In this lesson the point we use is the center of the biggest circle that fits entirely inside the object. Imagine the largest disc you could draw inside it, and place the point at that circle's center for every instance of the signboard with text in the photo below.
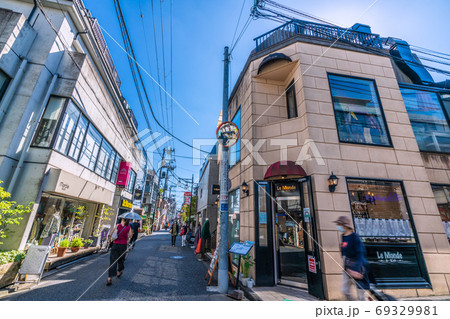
(241, 248)
(312, 264)
(187, 198)
(125, 203)
(215, 189)
(124, 174)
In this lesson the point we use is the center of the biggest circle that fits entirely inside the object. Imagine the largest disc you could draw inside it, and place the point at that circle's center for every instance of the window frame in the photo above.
(5, 85)
(89, 123)
(291, 87)
(388, 134)
(128, 189)
(417, 244)
(438, 93)
(236, 189)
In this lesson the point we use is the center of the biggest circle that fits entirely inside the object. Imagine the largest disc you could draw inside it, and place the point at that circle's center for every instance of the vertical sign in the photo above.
(124, 174)
(312, 264)
(187, 198)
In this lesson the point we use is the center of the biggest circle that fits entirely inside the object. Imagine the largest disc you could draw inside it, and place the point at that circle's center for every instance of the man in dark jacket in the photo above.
(174, 232)
(135, 228)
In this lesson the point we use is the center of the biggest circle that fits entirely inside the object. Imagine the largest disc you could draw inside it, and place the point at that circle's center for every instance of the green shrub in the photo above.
(76, 242)
(64, 243)
(88, 242)
(11, 255)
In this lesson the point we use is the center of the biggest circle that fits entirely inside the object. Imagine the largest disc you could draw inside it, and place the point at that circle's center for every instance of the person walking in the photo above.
(354, 260)
(118, 249)
(205, 238)
(174, 232)
(135, 227)
(183, 234)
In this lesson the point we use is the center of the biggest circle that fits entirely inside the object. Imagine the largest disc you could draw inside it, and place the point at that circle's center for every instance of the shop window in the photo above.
(4, 81)
(235, 150)
(131, 182)
(104, 157)
(91, 147)
(234, 234)
(291, 101)
(110, 166)
(358, 113)
(428, 120)
(442, 196)
(115, 169)
(381, 218)
(262, 192)
(67, 129)
(78, 138)
(47, 125)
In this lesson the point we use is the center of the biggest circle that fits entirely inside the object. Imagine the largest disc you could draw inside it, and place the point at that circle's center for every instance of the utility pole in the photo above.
(223, 235)
(190, 204)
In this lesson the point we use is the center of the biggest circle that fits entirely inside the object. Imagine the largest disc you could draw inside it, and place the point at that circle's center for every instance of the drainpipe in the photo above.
(30, 135)
(32, 11)
(4, 104)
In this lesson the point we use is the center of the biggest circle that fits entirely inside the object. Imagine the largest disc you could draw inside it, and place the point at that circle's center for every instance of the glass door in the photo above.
(289, 235)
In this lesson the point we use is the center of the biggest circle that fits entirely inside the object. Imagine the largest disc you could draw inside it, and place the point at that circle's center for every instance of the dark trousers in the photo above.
(174, 239)
(116, 259)
(133, 239)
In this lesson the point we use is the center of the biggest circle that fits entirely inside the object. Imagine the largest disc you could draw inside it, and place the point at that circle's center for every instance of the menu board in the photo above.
(242, 248)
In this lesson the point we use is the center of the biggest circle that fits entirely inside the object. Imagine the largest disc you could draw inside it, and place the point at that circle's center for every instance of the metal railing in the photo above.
(311, 29)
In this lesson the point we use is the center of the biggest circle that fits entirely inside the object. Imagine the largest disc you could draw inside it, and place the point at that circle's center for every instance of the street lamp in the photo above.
(244, 188)
(332, 182)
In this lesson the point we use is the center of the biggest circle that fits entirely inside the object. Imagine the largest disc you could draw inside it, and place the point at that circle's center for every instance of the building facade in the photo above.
(359, 112)
(67, 132)
(208, 192)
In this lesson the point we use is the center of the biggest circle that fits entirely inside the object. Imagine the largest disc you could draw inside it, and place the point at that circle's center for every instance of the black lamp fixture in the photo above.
(244, 188)
(332, 182)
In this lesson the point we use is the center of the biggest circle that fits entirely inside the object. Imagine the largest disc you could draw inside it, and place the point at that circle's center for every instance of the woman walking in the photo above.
(183, 234)
(118, 249)
(354, 259)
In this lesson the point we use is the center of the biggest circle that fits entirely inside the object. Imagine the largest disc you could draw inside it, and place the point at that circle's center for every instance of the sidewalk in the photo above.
(277, 293)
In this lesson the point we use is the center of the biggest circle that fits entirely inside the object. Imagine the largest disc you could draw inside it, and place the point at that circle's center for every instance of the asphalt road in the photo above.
(151, 273)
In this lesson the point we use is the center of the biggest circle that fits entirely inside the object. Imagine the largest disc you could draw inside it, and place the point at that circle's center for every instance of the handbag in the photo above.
(355, 274)
(115, 235)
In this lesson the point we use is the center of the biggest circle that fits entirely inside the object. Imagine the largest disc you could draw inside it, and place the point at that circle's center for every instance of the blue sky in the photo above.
(201, 30)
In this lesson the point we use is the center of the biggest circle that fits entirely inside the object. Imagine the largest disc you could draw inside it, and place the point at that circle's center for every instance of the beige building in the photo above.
(65, 126)
(309, 109)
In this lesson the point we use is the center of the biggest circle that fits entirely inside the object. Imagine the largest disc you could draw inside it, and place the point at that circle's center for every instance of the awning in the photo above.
(284, 170)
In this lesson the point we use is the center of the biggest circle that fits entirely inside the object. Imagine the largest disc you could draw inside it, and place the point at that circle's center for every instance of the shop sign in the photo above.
(138, 194)
(215, 190)
(388, 263)
(306, 215)
(224, 207)
(286, 189)
(312, 264)
(124, 174)
(224, 198)
(125, 203)
(187, 198)
(262, 218)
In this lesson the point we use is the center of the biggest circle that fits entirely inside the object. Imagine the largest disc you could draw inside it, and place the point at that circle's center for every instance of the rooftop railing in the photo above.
(311, 29)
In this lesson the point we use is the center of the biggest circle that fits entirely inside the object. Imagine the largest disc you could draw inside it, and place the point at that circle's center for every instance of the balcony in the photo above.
(310, 29)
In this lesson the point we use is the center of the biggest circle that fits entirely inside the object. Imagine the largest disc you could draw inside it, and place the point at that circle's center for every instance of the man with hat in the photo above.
(355, 262)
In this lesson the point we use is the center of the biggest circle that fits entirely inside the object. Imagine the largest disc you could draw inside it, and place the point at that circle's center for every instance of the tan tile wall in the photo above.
(316, 121)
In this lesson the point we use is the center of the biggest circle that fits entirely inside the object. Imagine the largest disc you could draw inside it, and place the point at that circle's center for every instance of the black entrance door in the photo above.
(312, 249)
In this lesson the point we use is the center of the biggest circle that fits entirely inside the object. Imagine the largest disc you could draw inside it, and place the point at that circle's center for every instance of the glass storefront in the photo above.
(382, 219)
(442, 196)
(62, 218)
(234, 199)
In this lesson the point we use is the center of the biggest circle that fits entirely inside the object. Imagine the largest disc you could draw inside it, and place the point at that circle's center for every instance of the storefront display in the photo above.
(381, 218)
(234, 218)
(442, 196)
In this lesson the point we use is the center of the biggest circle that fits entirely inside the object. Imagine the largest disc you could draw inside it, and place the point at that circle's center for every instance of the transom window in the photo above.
(357, 108)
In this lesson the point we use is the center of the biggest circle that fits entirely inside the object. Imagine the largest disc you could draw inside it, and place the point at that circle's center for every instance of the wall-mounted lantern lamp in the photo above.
(332, 182)
(244, 188)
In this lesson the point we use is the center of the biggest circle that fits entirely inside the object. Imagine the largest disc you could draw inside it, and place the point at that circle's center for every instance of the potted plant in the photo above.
(88, 243)
(62, 247)
(246, 263)
(76, 244)
(10, 262)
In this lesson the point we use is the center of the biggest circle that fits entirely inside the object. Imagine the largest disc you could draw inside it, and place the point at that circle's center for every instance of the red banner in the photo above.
(187, 198)
(124, 174)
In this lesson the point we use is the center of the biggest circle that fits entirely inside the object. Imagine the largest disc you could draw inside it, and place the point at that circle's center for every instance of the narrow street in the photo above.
(151, 273)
